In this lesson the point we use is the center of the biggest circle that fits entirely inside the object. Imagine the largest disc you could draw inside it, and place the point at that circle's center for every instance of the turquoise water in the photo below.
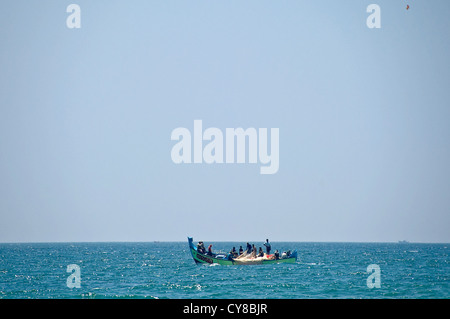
(166, 270)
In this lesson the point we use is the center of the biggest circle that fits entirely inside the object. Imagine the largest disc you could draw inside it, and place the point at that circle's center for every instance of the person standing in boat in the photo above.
(249, 249)
(268, 247)
(240, 250)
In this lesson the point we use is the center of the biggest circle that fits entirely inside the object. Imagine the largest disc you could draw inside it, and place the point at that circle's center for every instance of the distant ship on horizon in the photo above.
(403, 242)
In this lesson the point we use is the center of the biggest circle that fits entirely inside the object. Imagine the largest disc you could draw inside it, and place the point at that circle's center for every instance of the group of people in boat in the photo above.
(249, 252)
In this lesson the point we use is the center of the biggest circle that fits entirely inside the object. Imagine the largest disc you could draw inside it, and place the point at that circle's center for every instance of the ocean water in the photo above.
(167, 270)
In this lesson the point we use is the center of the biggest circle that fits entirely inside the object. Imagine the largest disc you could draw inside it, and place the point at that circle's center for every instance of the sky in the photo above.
(86, 116)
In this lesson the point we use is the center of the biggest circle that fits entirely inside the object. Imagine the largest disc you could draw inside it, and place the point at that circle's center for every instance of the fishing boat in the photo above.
(226, 259)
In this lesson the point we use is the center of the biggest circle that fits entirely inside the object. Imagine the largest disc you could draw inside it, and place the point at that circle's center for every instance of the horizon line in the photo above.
(219, 241)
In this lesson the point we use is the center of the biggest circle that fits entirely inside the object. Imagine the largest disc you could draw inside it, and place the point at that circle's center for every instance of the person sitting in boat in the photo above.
(253, 255)
(233, 252)
(201, 248)
(240, 250)
(276, 254)
(261, 252)
(268, 247)
(210, 253)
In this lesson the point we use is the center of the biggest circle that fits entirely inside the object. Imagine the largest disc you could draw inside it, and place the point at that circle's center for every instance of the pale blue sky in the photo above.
(86, 117)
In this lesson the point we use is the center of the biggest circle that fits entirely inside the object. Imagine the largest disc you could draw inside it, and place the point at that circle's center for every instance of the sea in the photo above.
(166, 270)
